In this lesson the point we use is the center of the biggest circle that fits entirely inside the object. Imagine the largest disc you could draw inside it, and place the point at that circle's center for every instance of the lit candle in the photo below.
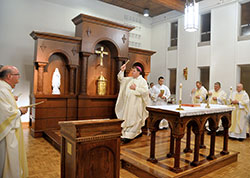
(180, 91)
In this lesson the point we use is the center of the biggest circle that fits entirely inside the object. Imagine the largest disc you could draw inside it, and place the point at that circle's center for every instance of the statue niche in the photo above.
(56, 61)
(101, 71)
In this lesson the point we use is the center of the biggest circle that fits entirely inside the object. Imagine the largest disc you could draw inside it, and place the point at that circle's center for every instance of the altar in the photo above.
(197, 162)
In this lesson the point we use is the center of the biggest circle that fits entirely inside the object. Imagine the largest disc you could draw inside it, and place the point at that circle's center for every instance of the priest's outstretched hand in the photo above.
(23, 110)
(123, 67)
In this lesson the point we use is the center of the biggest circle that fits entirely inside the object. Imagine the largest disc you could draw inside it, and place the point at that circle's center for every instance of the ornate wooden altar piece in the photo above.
(97, 51)
(190, 117)
(90, 148)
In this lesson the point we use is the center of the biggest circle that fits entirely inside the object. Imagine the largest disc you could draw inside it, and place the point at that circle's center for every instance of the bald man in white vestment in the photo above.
(240, 101)
(13, 162)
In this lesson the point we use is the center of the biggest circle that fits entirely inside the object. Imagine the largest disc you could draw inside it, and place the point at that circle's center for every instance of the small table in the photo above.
(179, 120)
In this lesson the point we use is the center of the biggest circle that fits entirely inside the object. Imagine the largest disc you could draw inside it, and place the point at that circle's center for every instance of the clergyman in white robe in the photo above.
(218, 96)
(239, 123)
(13, 162)
(199, 93)
(131, 105)
(159, 101)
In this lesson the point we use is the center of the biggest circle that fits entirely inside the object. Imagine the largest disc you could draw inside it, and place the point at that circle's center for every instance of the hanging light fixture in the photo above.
(146, 12)
(191, 17)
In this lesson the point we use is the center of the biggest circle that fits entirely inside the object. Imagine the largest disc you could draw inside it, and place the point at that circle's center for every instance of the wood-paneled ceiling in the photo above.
(156, 7)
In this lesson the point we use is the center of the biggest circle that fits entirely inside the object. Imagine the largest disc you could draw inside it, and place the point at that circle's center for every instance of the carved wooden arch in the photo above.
(212, 121)
(109, 40)
(59, 51)
(194, 122)
(225, 119)
(155, 123)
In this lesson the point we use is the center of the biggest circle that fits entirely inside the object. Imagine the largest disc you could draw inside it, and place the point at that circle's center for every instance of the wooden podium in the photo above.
(90, 148)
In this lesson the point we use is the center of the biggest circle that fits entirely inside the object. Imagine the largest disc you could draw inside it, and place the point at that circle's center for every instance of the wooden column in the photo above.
(177, 154)
(72, 79)
(202, 145)
(196, 147)
(212, 143)
(84, 73)
(171, 151)
(41, 66)
(225, 143)
(152, 158)
(188, 149)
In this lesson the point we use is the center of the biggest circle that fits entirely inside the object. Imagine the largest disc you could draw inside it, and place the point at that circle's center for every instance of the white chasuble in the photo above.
(202, 92)
(13, 162)
(239, 121)
(131, 105)
(158, 101)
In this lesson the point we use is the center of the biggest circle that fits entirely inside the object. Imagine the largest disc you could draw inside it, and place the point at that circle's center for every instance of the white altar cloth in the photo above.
(195, 111)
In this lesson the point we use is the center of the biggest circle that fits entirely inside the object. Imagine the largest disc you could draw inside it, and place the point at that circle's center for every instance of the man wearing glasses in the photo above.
(13, 162)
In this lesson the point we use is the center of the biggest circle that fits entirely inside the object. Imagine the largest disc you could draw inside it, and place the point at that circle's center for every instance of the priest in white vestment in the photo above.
(218, 96)
(240, 101)
(199, 93)
(131, 103)
(13, 162)
(160, 95)
(151, 94)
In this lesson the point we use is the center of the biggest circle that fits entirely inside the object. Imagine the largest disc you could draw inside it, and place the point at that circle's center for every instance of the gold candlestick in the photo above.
(179, 108)
(208, 106)
(230, 97)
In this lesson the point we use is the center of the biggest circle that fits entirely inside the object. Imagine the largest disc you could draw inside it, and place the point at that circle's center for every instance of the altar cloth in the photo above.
(195, 111)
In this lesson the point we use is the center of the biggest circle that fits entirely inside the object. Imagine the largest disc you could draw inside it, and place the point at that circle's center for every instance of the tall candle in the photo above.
(180, 91)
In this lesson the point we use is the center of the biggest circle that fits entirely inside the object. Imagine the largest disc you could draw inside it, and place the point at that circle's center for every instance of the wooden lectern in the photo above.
(90, 148)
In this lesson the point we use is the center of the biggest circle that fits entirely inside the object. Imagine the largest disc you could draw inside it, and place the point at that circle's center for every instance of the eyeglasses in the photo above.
(16, 74)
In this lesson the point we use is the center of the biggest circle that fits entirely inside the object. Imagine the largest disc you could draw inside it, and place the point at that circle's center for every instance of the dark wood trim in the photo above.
(52, 36)
(86, 18)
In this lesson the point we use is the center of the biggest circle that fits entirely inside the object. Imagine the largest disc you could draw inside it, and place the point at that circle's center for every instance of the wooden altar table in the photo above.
(190, 117)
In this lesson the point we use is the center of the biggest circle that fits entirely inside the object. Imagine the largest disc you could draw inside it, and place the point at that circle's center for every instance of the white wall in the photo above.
(158, 60)
(18, 18)
(223, 55)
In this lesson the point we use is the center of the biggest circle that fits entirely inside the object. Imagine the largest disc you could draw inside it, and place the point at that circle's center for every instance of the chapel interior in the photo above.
(76, 133)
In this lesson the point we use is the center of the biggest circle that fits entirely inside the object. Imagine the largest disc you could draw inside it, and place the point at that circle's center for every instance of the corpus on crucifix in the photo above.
(102, 53)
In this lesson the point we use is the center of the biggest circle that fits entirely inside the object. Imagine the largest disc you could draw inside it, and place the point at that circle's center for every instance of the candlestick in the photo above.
(231, 93)
(231, 96)
(180, 98)
(208, 106)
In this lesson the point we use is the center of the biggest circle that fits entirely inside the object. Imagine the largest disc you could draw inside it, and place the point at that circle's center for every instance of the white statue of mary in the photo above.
(56, 82)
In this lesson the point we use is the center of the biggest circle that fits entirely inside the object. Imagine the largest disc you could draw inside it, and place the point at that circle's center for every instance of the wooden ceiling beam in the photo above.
(172, 4)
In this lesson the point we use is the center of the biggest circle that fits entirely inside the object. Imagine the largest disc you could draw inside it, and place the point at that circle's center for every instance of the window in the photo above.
(244, 77)
(204, 76)
(245, 19)
(174, 34)
(205, 27)
(172, 81)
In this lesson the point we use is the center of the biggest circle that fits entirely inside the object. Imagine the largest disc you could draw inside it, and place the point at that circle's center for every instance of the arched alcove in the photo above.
(108, 70)
(60, 61)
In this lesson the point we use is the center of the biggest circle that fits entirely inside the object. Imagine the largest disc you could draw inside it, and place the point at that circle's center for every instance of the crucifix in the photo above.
(102, 53)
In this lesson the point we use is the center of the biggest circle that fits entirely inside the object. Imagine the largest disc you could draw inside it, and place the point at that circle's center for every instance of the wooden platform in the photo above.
(134, 159)
(53, 137)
